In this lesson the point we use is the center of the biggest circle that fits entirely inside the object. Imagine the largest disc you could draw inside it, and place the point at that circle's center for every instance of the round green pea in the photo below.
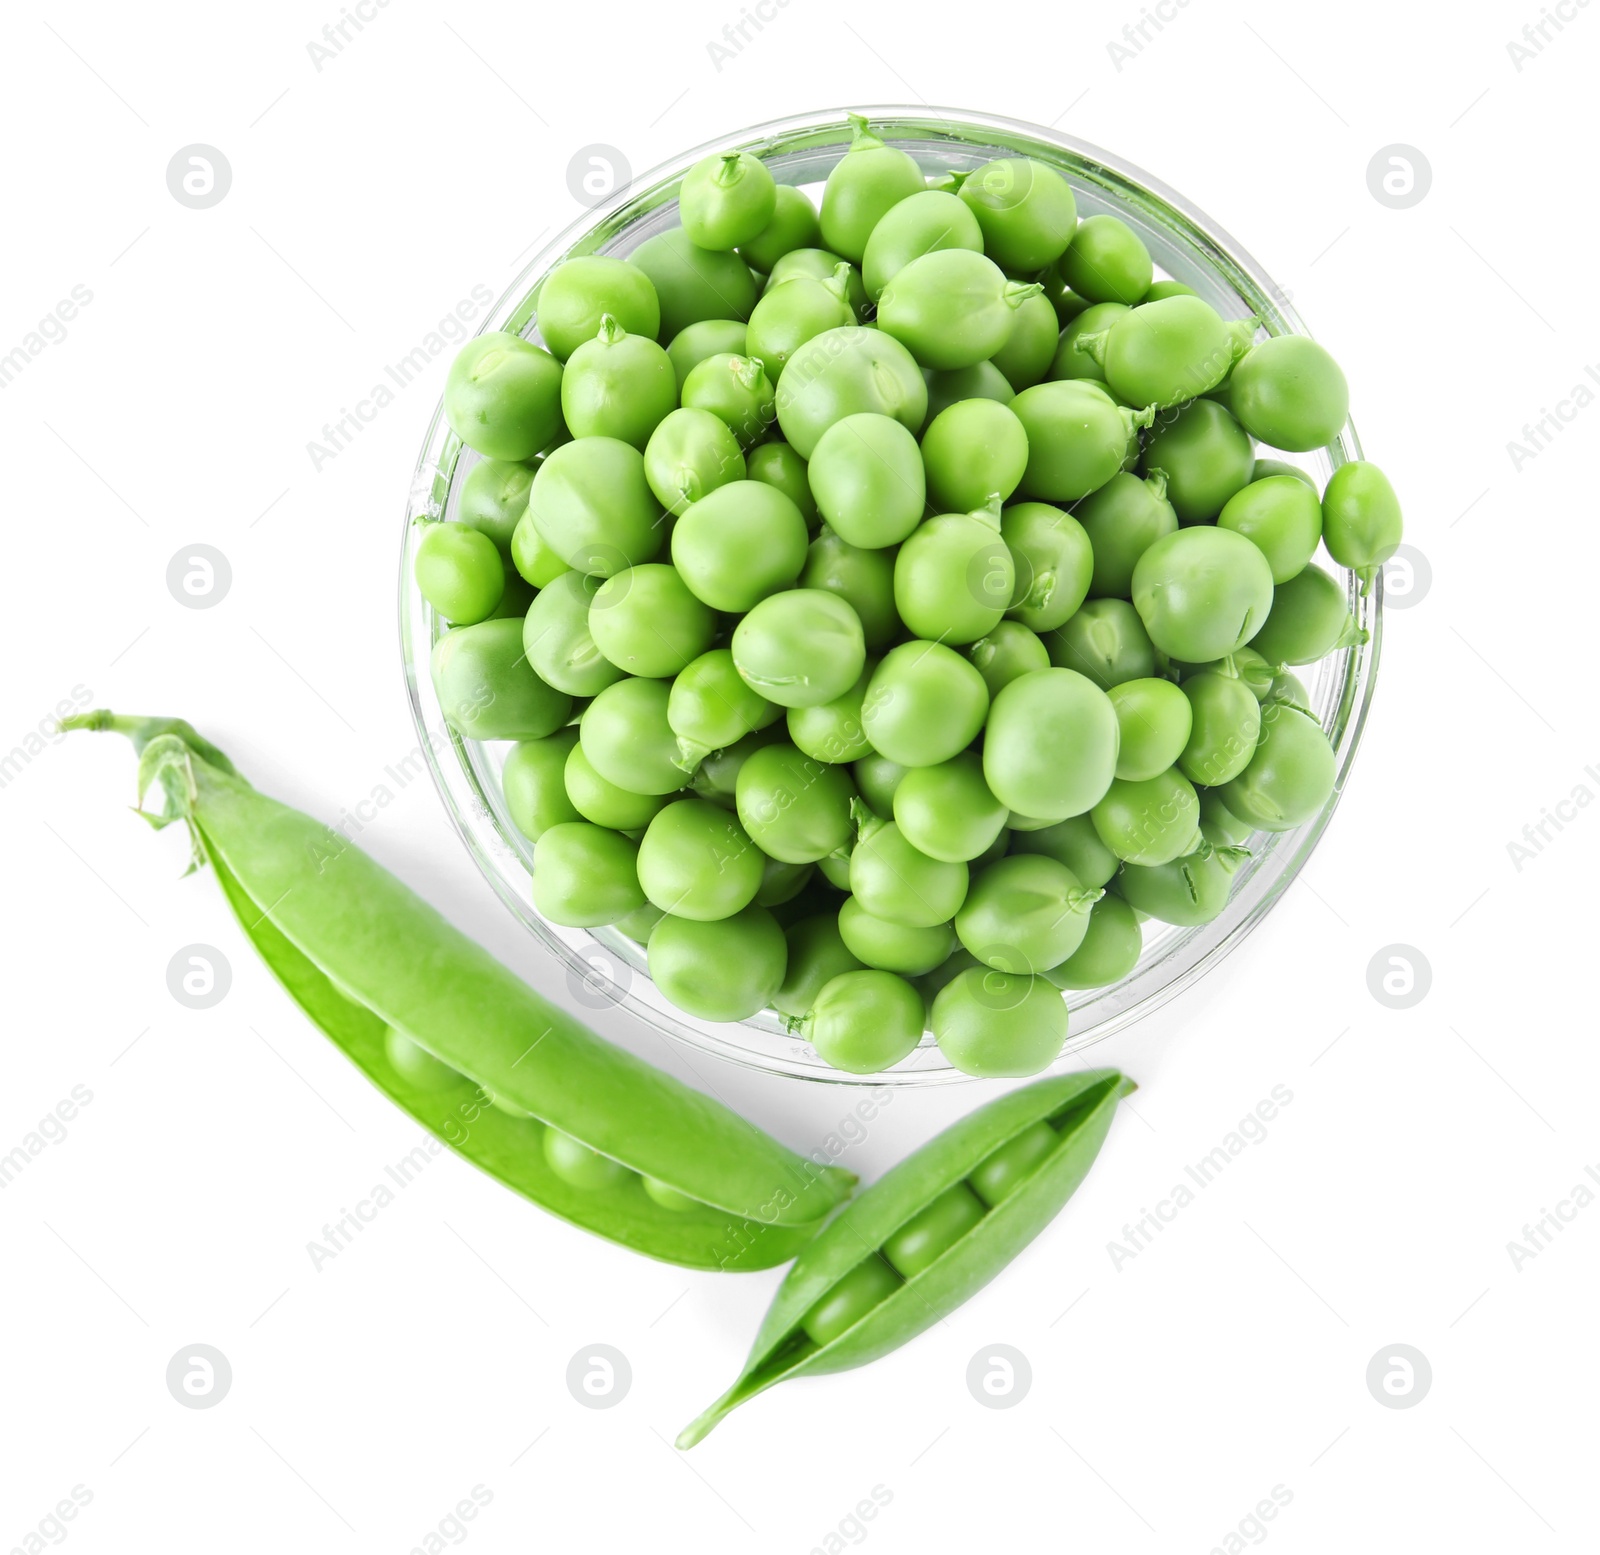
(1075, 843)
(739, 544)
(1161, 289)
(947, 811)
(647, 622)
(459, 572)
(1024, 913)
(1154, 719)
(820, 264)
(863, 578)
(1072, 357)
(1202, 592)
(558, 640)
(494, 496)
(879, 779)
(1219, 825)
(723, 970)
(972, 453)
(954, 577)
(1290, 393)
(618, 385)
(694, 283)
(817, 954)
(1123, 519)
(1107, 262)
(779, 466)
(793, 806)
(503, 396)
(416, 1064)
(951, 308)
(793, 224)
(1186, 891)
(863, 185)
(691, 453)
(892, 879)
(1077, 439)
(710, 337)
(1287, 687)
(865, 1022)
(894, 947)
(1030, 348)
(1050, 748)
(717, 776)
(800, 648)
(1054, 561)
(1006, 653)
(737, 390)
(1163, 353)
(585, 875)
(983, 382)
(999, 1025)
(1112, 944)
(594, 508)
(579, 292)
(1206, 457)
(924, 704)
(710, 707)
(1269, 467)
(580, 1167)
(726, 200)
(933, 1230)
(625, 735)
(667, 1196)
(1361, 523)
(922, 223)
(487, 689)
(1310, 618)
(995, 1178)
(1106, 641)
(595, 799)
(1149, 822)
(1026, 211)
(697, 861)
(533, 783)
(833, 731)
(531, 555)
(1281, 516)
(792, 313)
(850, 1298)
(1226, 723)
(1289, 778)
(866, 474)
(844, 372)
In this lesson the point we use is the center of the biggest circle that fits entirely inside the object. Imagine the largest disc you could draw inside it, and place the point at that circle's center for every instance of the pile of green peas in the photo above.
(889, 602)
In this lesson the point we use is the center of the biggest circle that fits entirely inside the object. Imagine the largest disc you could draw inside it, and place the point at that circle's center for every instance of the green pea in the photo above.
(1290, 393)
(718, 774)
(849, 1300)
(579, 292)
(1025, 913)
(594, 508)
(1050, 748)
(667, 1196)
(417, 1065)
(1154, 720)
(726, 200)
(782, 883)
(1291, 775)
(1149, 822)
(1054, 564)
(795, 807)
(735, 389)
(710, 337)
(1030, 348)
(602, 802)
(892, 879)
(1075, 843)
(894, 947)
(1187, 891)
(879, 779)
(487, 689)
(779, 466)
(696, 861)
(1007, 653)
(1026, 211)
(922, 223)
(954, 577)
(585, 875)
(1202, 592)
(820, 264)
(579, 1166)
(531, 555)
(793, 224)
(1281, 516)
(739, 544)
(493, 497)
(1106, 641)
(794, 312)
(646, 621)
(864, 183)
(973, 452)
(844, 372)
(459, 572)
(1219, 825)
(1361, 523)
(1244, 664)
(710, 707)
(866, 474)
(835, 870)
(1107, 262)
(692, 283)
(958, 961)
(947, 811)
(691, 454)
(1162, 289)
(924, 704)
(818, 953)
(1072, 358)
(625, 735)
(503, 396)
(800, 648)
(865, 1022)
(1163, 353)
(951, 308)
(1310, 618)
(558, 641)
(863, 578)
(833, 731)
(983, 382)
(933, 1231)
(1290, 689)
(1077, 439)
(1204, 453)
(724, 970)
(999, 1025)
(1266, 468)
(618, 385)
(533, 784)
(1112, 945)
(1226, 726)
(995, 1178)
(1123, 519)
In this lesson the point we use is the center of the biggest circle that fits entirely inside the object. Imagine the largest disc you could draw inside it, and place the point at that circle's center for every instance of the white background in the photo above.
(1169, 1396)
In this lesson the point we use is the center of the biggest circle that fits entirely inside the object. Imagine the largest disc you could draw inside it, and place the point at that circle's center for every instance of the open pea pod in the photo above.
(1077, 1107)
(368, 960)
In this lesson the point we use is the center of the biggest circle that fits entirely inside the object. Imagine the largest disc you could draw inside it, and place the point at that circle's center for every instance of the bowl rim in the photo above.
(1189, 953)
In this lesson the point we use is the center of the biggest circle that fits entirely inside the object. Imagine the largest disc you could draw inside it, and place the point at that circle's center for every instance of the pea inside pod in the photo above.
(844, 1302)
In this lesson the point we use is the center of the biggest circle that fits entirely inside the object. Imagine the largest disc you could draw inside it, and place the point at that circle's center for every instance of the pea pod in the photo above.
(371, 963)
(846, 1264)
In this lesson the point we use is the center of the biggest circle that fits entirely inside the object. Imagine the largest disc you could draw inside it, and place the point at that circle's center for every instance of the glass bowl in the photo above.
(604, 967)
